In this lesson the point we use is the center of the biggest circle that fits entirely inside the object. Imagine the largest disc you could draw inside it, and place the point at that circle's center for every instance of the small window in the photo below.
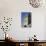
(26, 19)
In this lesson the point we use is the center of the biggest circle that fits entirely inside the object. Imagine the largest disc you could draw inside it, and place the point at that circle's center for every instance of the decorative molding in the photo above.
(6, 24)
(36, 3)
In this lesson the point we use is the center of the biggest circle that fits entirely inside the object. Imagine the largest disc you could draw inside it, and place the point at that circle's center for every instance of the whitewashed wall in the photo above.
(13, 8)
